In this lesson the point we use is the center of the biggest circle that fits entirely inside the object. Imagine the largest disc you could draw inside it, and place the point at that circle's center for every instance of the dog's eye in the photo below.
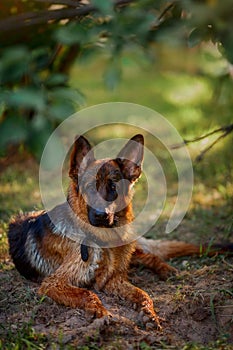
(112, 186)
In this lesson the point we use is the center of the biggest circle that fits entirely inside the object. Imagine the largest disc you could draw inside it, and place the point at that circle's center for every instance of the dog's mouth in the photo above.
(101, 218)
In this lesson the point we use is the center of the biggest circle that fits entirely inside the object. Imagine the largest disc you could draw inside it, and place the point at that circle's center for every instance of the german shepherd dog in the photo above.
(43, 250)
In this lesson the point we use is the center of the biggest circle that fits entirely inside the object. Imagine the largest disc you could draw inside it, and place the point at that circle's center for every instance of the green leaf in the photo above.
(195, 38)
(41, 57)
(56, 80)
(27, 98)
(60, 110)
(12, 130)
(72, 34)
(112, 75)
(104, 6)
(39, 121)
(63, 93)
(3, 97)
(37, 138)
(14, 64)
(198, 35)
(62, 101)
(227, 43)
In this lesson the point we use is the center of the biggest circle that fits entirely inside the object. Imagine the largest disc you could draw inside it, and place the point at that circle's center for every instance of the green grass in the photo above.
(23, 338)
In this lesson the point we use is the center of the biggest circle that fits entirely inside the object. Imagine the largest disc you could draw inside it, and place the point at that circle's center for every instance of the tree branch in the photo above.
(201, 155)
(225, 130)
(71, 3)
(163, 13)
(39, 17)
(31, 18)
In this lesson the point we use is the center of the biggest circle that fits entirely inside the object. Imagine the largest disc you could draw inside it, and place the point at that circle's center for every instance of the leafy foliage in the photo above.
(41, 40)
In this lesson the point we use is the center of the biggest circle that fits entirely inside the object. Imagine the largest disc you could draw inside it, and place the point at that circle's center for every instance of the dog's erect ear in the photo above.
(130, 158)
(81, 156)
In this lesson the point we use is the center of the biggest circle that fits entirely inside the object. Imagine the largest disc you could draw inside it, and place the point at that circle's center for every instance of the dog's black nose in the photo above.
(100, 215)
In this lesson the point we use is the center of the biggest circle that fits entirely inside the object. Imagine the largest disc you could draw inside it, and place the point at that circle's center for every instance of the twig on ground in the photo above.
(227, 263)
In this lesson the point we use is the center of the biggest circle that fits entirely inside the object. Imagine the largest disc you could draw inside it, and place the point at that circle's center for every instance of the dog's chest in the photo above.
(84, 271)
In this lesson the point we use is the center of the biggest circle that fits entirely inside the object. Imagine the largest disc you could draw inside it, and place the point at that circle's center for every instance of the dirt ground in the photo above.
(196, 307)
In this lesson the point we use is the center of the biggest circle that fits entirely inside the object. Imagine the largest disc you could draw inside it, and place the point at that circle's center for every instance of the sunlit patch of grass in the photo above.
(187, 90)
(3, 242)
(209, 218)
(19, 190)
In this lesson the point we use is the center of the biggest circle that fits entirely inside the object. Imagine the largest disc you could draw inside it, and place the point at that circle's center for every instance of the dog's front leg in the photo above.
(124, 289)
(59, 289)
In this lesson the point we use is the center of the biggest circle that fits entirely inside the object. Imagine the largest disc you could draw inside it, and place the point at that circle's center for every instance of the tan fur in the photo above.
(167, 249)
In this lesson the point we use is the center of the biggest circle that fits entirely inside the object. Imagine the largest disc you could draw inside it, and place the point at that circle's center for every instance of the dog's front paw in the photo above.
(103, 320)
(150, 320)
(98, 312)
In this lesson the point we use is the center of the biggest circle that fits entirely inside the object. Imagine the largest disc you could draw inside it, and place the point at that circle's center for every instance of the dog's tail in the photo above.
(171, 249)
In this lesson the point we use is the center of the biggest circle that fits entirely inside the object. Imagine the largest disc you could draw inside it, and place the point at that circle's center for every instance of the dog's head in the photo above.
(105, 186)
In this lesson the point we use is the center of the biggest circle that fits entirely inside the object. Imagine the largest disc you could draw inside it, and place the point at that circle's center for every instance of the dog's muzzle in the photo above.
(100, 218)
